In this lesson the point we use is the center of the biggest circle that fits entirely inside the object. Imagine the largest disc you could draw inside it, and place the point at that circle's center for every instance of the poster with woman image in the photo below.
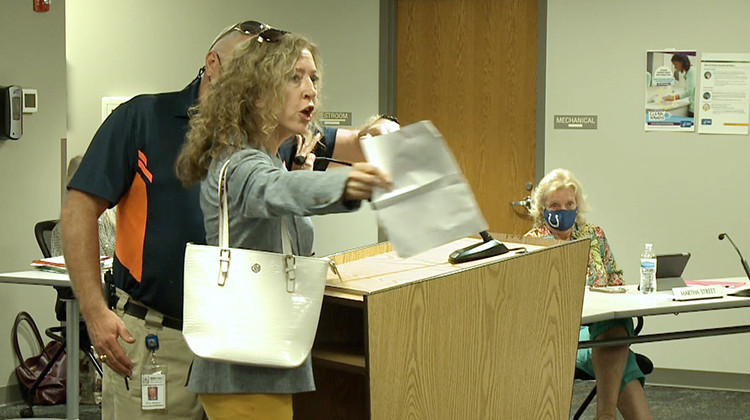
(670, 90)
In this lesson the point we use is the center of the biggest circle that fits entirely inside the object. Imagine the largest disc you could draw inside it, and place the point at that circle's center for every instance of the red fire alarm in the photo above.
(41, 6)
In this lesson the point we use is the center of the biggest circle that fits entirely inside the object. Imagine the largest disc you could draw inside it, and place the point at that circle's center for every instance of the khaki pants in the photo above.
(119, 403)
(247, 406)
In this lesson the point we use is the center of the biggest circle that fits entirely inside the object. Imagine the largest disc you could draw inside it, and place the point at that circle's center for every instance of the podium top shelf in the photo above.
(377, 268)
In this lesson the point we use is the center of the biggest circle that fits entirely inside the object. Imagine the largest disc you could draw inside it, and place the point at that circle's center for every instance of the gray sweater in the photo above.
(260, 191)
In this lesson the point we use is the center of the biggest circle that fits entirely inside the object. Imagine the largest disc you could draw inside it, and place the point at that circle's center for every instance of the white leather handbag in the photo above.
(251, 307)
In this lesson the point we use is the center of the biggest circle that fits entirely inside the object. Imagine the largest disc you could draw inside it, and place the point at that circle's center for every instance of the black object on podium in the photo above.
(488, 248)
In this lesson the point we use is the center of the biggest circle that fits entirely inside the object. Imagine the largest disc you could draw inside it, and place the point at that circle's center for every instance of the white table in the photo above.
(72, 328)
(598, 306)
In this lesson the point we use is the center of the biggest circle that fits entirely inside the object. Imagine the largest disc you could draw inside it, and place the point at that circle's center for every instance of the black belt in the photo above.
(139, 311)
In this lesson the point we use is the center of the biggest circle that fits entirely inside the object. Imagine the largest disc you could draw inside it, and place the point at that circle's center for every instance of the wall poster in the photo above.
(724, 93)
(670, 90)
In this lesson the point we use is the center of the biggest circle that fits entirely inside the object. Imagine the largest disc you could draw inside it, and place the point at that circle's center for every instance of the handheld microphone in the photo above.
(300, 160)
(746, 292)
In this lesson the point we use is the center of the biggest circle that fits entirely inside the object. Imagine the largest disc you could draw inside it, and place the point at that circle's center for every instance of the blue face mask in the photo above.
(561, 220)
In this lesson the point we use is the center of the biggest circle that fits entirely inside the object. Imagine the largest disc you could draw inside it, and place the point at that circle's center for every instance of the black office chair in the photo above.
(644, 363)
(43, 234)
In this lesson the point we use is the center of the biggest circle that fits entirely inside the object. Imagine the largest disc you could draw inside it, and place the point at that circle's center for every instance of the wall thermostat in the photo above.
(11, 118)
(30, 104)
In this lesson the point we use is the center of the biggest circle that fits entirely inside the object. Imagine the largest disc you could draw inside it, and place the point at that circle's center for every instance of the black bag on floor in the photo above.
(38, 378)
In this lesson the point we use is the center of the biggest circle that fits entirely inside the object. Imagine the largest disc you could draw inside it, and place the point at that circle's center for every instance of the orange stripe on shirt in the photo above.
(142, 156)
(145, 171)
(131, 228)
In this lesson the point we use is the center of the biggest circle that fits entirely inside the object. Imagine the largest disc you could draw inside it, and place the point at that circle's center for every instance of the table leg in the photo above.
(72, 330)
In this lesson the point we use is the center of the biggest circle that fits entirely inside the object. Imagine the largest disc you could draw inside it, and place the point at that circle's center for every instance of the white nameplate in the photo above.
(697, 292)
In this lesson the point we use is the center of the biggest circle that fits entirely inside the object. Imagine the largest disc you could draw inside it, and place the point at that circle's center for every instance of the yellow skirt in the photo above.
(247, 406)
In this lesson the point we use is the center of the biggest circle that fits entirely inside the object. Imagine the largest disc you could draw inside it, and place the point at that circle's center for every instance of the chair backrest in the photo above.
(43, 233)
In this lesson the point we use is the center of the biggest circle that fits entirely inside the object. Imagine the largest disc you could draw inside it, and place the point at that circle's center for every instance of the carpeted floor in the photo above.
(666, 404)
(86, 412)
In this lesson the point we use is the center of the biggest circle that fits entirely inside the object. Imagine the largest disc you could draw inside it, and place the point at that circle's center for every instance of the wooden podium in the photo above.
(420, 338)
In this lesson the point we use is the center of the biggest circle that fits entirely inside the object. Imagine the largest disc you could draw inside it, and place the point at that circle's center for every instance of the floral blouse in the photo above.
(602, 269)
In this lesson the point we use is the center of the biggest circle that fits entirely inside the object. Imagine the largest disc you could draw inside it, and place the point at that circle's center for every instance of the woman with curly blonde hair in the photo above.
(240, 108)
(265, 94)
(556, 207)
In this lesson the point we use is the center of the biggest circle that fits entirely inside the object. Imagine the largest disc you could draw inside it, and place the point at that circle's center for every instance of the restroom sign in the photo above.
(336, 118)
(589, 122)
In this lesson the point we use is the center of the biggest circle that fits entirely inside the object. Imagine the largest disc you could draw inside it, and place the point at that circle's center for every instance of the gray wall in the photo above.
(110, 56)
(33, 56)
(677, 190)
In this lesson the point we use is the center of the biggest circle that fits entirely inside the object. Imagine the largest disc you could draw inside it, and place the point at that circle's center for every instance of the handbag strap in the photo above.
(21, 317)
(225, 252)
(223, 211)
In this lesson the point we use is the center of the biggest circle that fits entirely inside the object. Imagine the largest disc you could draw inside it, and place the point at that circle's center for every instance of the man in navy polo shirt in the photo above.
(130, 163)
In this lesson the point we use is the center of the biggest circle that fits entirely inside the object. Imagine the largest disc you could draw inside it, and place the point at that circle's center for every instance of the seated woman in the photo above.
(265, 94)
(557, 208)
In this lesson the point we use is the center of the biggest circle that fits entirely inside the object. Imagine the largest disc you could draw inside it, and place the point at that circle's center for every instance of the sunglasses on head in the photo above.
(271, 35)
(248, 27)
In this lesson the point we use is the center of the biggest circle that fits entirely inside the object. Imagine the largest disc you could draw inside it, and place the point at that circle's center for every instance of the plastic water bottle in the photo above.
(648, 270)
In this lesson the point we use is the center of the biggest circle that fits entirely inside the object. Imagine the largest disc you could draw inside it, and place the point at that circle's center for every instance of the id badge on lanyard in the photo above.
(153, 380)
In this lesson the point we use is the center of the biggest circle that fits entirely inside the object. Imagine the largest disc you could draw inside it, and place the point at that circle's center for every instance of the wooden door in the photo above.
(470, 66)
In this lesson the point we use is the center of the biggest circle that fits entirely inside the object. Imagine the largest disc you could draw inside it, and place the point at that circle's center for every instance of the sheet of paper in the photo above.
(729, 284)
(431, 203)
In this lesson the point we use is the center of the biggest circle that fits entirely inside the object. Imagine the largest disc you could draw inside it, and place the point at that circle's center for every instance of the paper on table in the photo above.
(57, 264)
(431, 203)
(729, 284)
